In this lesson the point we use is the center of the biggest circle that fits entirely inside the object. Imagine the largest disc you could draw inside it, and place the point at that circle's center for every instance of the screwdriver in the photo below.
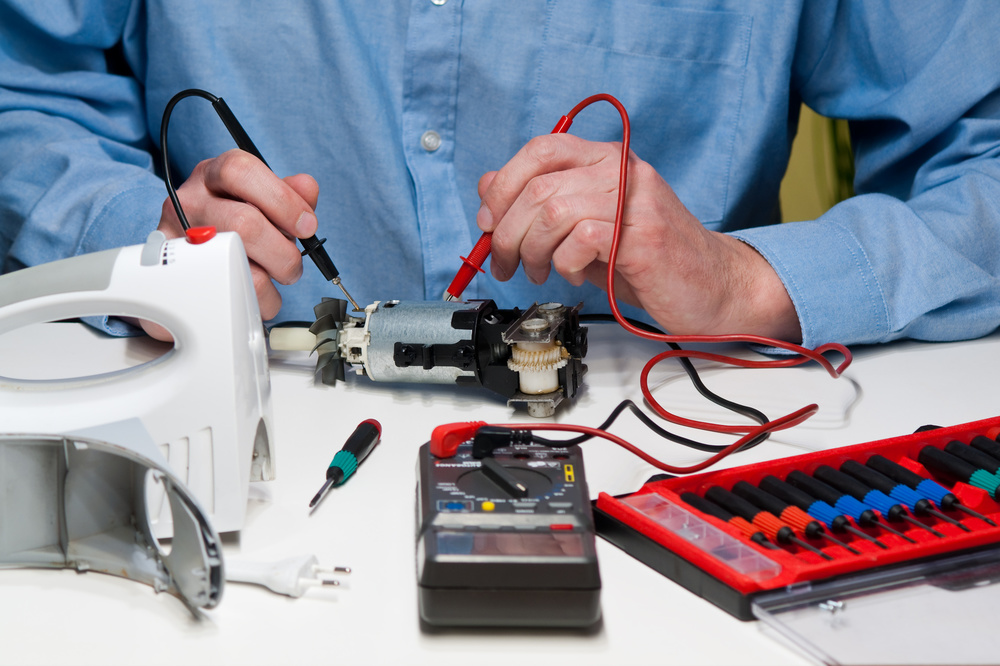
(986, 445)
(346, 461)
(847, 504)
(713, 509)
(953, 467)
(891, 509)
(822, 511)
(928, 488)
(973, 456)
(897, 491)
(770, 524)
(792, 515)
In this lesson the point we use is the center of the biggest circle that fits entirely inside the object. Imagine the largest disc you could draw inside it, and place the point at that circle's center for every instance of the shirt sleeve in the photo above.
(75, 163)
(914, 254)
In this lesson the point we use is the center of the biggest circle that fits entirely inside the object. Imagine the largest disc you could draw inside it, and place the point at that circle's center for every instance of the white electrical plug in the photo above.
(291, 577)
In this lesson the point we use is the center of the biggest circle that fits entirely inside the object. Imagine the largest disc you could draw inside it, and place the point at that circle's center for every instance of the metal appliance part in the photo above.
(532, 357)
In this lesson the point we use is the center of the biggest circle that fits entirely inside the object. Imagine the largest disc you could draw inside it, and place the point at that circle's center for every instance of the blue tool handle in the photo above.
(852, 507)
(823, 512)
(879, 501)
(934, 491)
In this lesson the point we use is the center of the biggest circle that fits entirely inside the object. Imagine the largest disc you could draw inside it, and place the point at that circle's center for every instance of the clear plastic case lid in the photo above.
(937, 612)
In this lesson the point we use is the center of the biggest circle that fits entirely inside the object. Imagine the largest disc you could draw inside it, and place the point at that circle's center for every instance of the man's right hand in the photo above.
(237, 192)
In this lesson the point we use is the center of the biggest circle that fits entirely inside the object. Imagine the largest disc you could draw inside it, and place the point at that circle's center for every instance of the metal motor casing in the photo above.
(473, 344)
(429, 322)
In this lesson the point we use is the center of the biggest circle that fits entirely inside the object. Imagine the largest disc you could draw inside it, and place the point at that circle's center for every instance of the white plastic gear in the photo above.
(537, 360)
(536, 365)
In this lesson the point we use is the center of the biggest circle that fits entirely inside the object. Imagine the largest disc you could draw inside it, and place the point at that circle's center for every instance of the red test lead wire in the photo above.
(474, 262)
(801, 354)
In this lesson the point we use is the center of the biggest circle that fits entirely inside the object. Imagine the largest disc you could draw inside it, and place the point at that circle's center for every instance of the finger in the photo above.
(584, 247)
(554, 221)
(306, 187)
(268, 298)
(542, 155)
(156, 331)
(239, 175)
(170, 224)
(508, 238)
(484, 182)
(264, 243)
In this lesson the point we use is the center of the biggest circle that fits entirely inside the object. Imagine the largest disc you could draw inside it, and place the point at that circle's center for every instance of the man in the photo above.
(396, 110)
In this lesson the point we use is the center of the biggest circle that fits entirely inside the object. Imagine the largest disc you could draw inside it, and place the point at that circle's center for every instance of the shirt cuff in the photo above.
(829, 278)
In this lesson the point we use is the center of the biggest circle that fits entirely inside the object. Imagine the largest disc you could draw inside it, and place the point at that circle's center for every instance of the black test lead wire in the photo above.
(312, 246)
(696, 381)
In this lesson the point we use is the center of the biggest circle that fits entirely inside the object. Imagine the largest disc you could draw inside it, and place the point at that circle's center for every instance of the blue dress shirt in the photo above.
(397, 108)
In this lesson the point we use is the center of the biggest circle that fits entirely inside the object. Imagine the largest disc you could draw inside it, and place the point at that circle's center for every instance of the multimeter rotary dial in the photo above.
(515, 482)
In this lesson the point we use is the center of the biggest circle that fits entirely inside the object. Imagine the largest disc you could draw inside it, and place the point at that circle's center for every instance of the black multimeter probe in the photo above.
(312, 246)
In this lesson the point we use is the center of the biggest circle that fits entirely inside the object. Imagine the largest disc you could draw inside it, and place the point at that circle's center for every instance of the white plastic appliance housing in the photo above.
(206, 403)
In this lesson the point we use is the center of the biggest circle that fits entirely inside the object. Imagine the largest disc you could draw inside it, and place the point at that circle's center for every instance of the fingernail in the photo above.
(484, 218)
(306, 225)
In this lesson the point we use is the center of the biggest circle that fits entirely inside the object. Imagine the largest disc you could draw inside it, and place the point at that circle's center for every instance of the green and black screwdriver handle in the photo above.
(346, 461)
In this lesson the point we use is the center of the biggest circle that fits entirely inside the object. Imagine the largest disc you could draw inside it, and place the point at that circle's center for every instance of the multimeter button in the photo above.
(560, 526)
(524, 505)
(453, 505)
(488, 505)
(561, 505)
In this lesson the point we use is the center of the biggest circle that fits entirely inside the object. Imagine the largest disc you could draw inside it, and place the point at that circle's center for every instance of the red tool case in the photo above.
(716, 561)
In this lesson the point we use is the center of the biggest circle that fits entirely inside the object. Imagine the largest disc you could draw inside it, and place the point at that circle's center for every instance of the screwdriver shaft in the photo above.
(914, 521)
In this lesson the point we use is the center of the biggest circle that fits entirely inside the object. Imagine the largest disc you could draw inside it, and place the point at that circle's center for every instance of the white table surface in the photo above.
(50, 617)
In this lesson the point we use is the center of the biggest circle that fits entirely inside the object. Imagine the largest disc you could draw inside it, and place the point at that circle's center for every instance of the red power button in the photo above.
(199, 235)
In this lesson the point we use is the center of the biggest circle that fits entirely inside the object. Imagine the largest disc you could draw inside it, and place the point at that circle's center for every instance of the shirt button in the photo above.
(439, 2)
(430, 140)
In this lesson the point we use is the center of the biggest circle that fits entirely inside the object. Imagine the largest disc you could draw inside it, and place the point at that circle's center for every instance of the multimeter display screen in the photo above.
(564, 544)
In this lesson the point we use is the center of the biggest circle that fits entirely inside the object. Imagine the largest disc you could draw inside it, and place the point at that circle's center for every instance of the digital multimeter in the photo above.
(506, 540)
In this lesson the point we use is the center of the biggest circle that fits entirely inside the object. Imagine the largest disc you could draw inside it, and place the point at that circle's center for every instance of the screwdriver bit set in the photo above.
(738, 535)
